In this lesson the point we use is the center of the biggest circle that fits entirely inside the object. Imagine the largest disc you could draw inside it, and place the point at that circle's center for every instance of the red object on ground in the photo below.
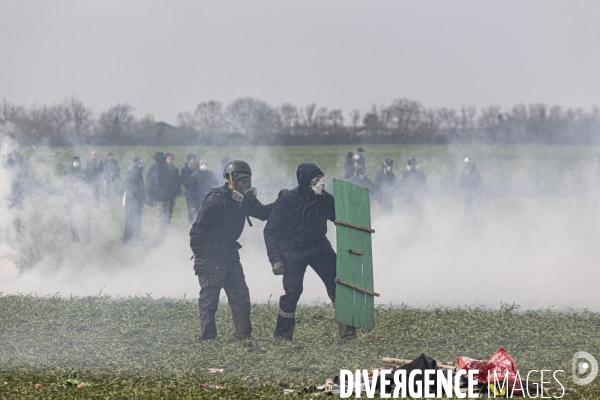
(501, 363)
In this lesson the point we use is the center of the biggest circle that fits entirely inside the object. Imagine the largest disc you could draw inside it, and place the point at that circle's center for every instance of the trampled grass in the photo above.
(146, 348)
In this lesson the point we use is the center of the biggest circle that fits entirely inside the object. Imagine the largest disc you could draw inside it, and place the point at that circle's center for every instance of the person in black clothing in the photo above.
(79, 193)
(93, 171)
(213, 239)
(176, 183)
(362, 179)
(112, 171)
(135, 193)
(17, 174)
(295, 237)
(385, 186)
(159, 191)
(349, 166)
(203, 180)
(471, 184)
(186, 180)
(414, 186)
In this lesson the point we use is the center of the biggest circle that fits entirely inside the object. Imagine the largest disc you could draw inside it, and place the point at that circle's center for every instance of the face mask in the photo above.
(76, 164)
(239, 195)
(319, 187)
(203, 167)
(388, 168)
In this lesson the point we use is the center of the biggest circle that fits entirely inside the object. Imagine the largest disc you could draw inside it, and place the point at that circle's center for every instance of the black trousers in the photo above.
(323, 262)
(229, 276)
(133, 223)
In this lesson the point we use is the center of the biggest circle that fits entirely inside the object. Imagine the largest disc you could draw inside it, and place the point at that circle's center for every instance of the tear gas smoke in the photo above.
(536, 247)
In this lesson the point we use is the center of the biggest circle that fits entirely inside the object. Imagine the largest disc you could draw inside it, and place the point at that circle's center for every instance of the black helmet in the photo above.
(236, 167)
(412, 162)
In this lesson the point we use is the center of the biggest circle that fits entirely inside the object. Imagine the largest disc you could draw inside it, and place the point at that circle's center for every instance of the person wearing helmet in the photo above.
(385, 186)
(213, 238)
(135, 194)
(79, 193)
(414, 186)
(471, 185)
(295, 237)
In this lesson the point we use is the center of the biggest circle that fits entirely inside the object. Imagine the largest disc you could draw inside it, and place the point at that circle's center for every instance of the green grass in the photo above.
(147, 348)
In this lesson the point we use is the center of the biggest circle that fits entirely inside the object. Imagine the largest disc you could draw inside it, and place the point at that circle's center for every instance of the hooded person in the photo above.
(186, 180)
(213, 239)
(385, 186)
(135, 195)
(295, 237)
(349, 165)
(79, 194)
(159, 189)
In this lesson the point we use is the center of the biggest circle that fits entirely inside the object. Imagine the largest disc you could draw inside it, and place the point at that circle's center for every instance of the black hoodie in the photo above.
(299, 218)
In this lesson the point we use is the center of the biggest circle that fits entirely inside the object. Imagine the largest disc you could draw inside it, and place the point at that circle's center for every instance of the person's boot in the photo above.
(347, 333)
(285, 328)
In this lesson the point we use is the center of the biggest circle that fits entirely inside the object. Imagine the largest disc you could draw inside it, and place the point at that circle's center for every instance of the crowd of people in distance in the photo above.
(85, 184)
(384, 187)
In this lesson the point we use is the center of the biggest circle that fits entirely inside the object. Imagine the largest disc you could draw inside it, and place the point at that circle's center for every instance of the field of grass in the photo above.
(147, 348)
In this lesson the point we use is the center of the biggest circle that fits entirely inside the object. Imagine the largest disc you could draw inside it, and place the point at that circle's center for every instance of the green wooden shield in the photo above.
(354, 296)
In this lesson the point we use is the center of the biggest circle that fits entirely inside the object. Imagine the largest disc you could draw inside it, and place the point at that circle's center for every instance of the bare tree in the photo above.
(209, 119)
(116, 122)
(253, 118)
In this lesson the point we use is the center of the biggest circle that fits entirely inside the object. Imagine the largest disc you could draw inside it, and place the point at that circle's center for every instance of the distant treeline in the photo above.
(249, 121)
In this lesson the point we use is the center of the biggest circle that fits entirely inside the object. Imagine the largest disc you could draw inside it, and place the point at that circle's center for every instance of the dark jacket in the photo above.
(186, 180)
(94, 169)
(299, 218)
(135, 189)
(76, 185)
(414, 185)
(175, 179)
(202, 182)
(159, 182)
(220, 223)
(385, 185)
(111, 170)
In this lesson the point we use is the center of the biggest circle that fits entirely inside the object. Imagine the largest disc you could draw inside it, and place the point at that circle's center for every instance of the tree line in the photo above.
(251, 121)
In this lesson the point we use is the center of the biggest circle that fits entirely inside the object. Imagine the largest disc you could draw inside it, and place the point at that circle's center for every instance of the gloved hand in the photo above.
(250, 197)
(278, 268)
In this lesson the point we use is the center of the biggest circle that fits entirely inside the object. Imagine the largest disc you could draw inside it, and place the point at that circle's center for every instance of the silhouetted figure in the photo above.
(386, 185)
(79, 195)
(362, 179)
(349, 166)
(159, 190)
(94, 171)
(135, 194)
(186, 180)
(358, 160)
(176, 183)
(414, 187)
(112, 172)
(203, 180)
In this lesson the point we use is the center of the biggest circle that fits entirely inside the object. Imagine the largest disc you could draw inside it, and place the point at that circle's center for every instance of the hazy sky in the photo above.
(167, 56)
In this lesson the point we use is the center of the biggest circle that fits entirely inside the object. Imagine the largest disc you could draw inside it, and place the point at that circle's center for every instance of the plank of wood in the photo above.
(343, 282)
(362, 228)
